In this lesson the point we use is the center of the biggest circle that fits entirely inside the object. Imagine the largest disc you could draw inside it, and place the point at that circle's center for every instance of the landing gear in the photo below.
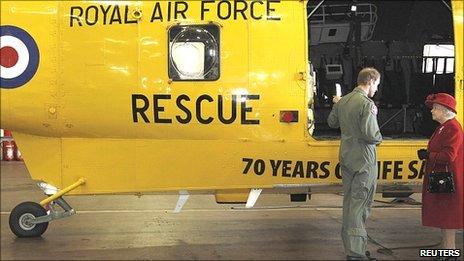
(30, 219)
(22, 220)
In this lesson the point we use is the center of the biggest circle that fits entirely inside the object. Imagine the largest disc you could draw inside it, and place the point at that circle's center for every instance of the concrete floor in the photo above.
(129, 227)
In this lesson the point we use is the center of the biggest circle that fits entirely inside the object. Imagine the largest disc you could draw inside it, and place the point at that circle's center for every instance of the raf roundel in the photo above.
(19, 57)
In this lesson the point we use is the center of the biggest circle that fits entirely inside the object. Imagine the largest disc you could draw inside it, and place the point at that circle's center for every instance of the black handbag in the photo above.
(441, 182)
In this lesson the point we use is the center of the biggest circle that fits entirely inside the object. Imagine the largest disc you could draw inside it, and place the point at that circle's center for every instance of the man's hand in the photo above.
(336, 99)
(422, 154)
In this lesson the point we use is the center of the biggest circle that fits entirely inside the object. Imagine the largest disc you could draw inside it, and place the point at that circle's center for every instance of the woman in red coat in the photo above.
(444, 150)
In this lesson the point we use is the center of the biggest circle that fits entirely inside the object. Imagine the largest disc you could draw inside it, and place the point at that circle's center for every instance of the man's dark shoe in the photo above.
(368, 255)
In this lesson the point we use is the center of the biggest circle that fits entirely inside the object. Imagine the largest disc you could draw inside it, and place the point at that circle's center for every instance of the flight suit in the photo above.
(356, 115)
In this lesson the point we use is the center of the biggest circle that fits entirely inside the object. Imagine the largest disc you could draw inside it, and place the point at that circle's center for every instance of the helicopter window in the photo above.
(194, 52)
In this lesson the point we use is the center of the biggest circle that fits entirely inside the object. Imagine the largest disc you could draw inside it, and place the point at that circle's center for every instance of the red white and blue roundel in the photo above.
(19, 57)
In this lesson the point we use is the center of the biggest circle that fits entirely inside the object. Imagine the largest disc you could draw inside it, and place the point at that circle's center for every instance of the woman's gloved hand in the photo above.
(422, 154)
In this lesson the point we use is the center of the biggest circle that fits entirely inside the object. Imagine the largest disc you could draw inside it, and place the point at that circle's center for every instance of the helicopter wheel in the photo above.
(21, 218)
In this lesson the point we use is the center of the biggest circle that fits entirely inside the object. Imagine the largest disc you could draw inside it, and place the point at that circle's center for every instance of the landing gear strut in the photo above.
(30, 219)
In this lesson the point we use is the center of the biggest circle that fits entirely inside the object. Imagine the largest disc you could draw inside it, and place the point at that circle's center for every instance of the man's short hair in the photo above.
(368, 74)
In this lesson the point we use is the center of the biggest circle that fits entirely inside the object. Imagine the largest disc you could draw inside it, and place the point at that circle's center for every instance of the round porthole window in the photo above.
(194, 53)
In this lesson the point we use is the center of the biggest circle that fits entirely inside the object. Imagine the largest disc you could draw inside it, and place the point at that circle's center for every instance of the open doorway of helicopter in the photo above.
(411, 43)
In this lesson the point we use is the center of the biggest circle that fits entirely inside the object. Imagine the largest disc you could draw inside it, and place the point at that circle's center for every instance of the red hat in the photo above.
(443, 99)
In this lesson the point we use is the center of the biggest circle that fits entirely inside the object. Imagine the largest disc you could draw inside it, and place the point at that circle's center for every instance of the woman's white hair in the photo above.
(447, 113)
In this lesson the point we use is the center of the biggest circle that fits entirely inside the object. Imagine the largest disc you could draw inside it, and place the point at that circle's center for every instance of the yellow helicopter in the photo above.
(185, 97)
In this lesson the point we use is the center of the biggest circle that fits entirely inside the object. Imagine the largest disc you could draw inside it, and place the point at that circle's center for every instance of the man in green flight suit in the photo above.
(356, 115)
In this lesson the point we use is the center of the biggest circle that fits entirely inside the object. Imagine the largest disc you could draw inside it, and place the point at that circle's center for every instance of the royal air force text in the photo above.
(396, 170)
(174, 10)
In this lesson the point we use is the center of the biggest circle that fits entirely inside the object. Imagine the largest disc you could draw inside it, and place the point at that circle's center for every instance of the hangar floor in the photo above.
(129, 227)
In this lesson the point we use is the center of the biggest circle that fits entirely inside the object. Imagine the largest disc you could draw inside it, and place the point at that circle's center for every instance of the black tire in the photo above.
(21, 213)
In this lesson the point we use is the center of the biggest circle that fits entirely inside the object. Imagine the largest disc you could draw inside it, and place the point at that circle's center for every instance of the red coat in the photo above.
(445, 147)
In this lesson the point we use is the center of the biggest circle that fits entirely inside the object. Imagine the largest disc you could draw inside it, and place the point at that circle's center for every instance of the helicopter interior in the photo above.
(411, 43)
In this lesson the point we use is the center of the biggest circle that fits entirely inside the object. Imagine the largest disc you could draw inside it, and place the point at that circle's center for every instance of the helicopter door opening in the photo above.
(409, 42)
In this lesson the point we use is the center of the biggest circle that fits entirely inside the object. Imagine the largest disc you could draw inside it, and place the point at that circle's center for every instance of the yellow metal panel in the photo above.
(89, 69)
(99, 69)
(116, 165)
(275, 72)
(458, 19)
(42, 156)
(232, 196)
(108, 165)
(40, 114)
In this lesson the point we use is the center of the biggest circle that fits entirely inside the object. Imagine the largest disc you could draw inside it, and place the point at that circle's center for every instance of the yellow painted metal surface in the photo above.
(43, 157)
(458, 20)
(231, 196)
(75, 117)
